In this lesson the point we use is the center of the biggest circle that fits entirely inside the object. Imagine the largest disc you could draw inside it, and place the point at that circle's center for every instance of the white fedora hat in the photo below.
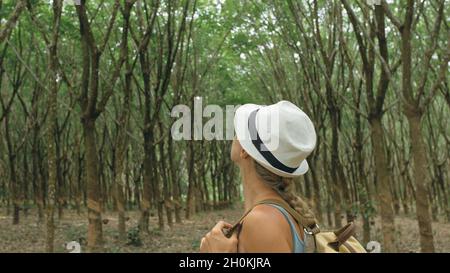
(279, 136)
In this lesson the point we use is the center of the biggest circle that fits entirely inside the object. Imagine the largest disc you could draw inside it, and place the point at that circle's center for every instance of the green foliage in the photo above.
(75, 233)
(369, 209)
(195, 244)
(134, 237)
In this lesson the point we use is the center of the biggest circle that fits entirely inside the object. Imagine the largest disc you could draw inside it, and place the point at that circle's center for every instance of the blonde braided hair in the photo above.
(285, 188)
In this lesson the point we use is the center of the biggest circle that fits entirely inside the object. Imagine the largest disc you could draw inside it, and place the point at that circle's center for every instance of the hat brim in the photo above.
(243, 136)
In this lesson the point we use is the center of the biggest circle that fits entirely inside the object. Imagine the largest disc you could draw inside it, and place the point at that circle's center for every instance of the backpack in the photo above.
(340, 241)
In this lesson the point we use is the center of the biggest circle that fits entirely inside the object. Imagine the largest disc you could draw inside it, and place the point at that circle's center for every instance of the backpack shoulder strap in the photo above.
(311, 229)
(237, 227)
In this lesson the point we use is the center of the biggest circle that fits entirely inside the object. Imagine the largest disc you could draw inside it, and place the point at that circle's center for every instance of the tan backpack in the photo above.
(340, 241)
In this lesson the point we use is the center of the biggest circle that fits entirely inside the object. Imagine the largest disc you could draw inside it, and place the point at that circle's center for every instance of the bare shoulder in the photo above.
(266, 213)
(263, 230)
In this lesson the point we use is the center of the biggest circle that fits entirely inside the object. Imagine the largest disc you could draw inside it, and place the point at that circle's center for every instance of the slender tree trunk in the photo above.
(159, 201)
(52, 127)
(9, 25)
(335, 177)
(95, 229)
(413, 113)
(316, 190)
(383, 188)
(25, 178)
(190, 206)
(362, 181)
(147, 182)
(422, 180)
(119, 179)
(14, 187)
(118, 189)
(122, 138)
(176, 189)
(37, 182)
(60, 183)
(166, 180)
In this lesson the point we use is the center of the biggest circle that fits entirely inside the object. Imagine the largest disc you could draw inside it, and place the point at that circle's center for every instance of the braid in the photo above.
(285, 188)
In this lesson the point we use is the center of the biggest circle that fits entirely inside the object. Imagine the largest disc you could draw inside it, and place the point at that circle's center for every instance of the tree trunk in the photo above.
(362, 181)
(37, 182)
(384, 192)
(157, 194)
(52, 148)
(174, 178)
(95, 229)
(316, 191)
(147, 182)
(9, 25)
(166, 181)
(335, 176)
(421, 178)
(120, 205)
(14, 187)
(190, 202)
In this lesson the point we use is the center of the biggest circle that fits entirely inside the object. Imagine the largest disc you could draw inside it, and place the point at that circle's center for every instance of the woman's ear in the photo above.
(243, 154)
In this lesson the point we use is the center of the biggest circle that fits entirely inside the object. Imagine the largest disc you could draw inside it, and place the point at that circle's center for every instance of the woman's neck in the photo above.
(255, 189)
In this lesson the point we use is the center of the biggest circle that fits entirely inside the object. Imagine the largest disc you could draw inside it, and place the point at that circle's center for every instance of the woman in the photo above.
(270, 149)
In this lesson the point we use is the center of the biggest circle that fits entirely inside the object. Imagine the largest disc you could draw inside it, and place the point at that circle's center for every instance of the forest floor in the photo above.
(29, 235)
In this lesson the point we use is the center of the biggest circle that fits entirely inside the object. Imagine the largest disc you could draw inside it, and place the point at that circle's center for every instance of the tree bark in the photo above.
(52, 126)
(11, 22)
(421, 178)
(383, 188)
